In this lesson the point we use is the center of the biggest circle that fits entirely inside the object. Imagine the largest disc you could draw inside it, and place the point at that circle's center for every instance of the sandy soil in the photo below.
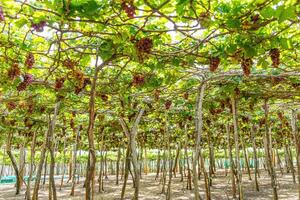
(150, 189)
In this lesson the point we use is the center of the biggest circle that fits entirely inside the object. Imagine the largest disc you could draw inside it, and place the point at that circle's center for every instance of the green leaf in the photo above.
(267, 12)
(250, 51)
(285, 43)
(288, 13)
(233, 23)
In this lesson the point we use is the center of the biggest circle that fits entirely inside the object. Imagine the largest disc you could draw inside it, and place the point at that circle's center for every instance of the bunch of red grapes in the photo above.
(70, 64)
(144, 45)
(168, 104)
(129, 8)
(138, 80)
(277, 79)
(246, 64)
(157, 94)
(30, 108)
(59, 83)
(29, 62)
(28, 78)
(104, 97)
(237, 91)
(275, 57)
(82, 85)
(39, 27)
(11, 105)
(255, 18)
(214, 63)
(280, 116)
(2, 18)
(13, 71)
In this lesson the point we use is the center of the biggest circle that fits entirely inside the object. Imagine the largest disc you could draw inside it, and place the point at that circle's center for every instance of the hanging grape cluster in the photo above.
(2, 18)
(70, 64)
(14, 71)
(277, 79)
(144, 45)
(255, 18)
(168, 104)
(186, 95)
(138, 80)
(104, 97)
(28, 122)
(214, 63)
(59, 83)
(129, 8)
(28, 78)
(39, 27)
(246, 64)
(30, 107)
(29, 62)
(156, 94)
(42, 109)
(11, 105)
(280, 116)
(275, 57)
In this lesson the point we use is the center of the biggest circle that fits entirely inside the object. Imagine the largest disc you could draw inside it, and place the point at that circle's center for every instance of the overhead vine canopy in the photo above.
(98, 63)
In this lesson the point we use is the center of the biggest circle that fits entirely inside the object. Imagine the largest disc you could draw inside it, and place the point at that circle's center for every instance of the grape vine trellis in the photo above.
(90, 72)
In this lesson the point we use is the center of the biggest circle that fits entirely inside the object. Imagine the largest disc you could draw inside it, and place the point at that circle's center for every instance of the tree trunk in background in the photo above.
(232, 172)
(22, 158)
(64, 161)
(297, 144)
(32, 155)
(51, 149)
(269, 157)
(75, 161)
(90, 170)
(278, 159)
(290, 162)
(133, 149)
(198, 125)
(246, 159)
(145, 162)
(176, 160)
(210, 159)
(126, 173)
(19, 179)
(118, 165)
(48, 137)
(70, 166)
(164, 172)
(100, 178)
(158, 164)
(237, 148)
(168, 196)
(253, 133)
(189, 174)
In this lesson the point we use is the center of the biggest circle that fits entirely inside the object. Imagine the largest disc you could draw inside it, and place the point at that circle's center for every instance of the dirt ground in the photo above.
(150, 189)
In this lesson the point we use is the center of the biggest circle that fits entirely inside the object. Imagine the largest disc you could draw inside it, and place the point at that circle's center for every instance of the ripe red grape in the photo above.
(59, 83)
(144, 45)
(13, 71)
(138, 80)
(246, 65)
(168, 104)
(275, 57)
(29, 60)
(39, 27)
(28, 78)
(11, 105)
(214, 63)
(129, 8)
(70, 64)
